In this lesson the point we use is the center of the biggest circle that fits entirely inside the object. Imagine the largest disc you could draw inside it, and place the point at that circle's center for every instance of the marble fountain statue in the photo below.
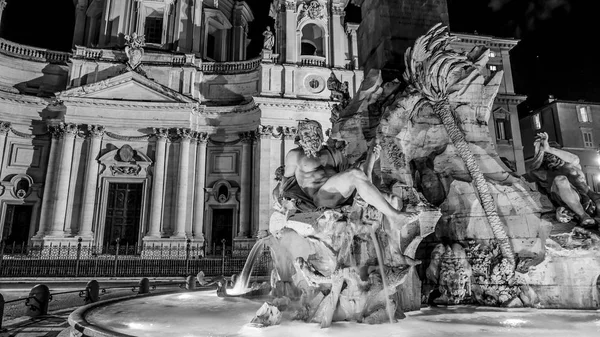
(406, 203)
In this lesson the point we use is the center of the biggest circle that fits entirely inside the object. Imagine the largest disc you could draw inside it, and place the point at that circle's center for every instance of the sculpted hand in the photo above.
(542, 139)
(376, 150)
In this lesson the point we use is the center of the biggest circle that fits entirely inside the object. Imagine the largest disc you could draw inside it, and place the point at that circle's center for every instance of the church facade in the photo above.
(174, 139)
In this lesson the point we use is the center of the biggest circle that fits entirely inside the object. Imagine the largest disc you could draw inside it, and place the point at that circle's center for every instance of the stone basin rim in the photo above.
(78, 322)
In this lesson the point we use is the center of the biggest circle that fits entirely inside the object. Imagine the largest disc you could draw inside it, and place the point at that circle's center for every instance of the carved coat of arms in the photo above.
(134, 49)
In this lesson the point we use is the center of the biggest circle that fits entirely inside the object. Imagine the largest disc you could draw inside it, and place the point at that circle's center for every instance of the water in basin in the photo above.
(204, 314)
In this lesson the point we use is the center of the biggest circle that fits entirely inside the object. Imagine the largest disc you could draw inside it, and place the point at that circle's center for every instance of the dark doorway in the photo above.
(123, 211)
(222, 228)
(16, 225)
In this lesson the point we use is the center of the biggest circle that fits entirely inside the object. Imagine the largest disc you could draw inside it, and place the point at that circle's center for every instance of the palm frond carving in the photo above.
(433, 70)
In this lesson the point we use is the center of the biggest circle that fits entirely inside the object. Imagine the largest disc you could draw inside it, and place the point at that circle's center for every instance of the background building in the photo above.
(185, 145)
(572, 125)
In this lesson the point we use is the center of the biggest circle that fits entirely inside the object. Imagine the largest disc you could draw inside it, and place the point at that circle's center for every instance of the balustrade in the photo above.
(32, 53)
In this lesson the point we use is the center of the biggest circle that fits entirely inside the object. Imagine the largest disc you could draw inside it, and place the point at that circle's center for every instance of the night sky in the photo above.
(556, 53)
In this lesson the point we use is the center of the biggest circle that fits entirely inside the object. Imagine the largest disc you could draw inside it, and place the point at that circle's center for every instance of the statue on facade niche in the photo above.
(318, 176)
(269, 41)
(559, 173)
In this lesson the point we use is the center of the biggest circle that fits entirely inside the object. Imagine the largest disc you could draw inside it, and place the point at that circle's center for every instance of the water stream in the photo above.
(388, 305)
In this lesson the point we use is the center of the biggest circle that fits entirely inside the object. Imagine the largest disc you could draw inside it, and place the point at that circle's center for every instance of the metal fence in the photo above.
(166, 260)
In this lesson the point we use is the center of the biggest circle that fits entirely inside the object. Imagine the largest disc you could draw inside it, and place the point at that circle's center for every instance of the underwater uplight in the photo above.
(513, 322)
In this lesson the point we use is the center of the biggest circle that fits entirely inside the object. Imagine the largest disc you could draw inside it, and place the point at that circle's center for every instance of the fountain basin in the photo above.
(202, 313)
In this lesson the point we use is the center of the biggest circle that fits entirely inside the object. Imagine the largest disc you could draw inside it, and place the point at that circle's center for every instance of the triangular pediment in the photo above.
(129, 86)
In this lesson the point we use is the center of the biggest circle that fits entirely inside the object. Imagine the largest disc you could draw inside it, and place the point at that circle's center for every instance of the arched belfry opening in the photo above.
(312, 41)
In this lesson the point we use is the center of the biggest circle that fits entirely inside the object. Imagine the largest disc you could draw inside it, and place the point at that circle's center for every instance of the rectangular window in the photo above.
(153, 30)
(588, 140)
(537, 121)
(584, 114)
(500, 133)
(493, 68)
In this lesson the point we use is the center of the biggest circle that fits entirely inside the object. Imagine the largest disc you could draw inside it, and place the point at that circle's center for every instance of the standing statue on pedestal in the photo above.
(559, 173)
(269, 41)
(320, 177)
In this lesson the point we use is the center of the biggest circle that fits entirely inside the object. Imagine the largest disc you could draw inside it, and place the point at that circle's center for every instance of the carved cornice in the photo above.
(304, 106)
(96, 131)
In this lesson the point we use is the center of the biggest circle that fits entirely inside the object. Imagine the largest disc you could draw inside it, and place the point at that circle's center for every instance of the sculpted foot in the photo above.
(402, 219)
(587, 222)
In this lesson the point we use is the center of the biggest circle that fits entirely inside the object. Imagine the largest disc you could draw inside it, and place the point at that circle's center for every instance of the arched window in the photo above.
(312, 42)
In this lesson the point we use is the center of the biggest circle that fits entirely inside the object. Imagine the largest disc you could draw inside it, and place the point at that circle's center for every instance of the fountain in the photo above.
(453, 225)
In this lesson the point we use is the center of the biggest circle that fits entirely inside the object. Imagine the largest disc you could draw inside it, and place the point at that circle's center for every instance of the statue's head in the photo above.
(310, 135)
(551, 162)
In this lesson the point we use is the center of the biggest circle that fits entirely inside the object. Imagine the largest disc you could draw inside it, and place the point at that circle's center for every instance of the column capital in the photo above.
(264, 131)
(202, 137)
(4, 128)
(185, 134)
(2, 5)
(96, 131)
(161, 133)
(248, 137)
(289, 132)
(337, 10)
(62, 130)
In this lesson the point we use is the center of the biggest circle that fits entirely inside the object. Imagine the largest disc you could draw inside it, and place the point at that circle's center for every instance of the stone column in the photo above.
(182, 182)
(338, 36)
(264, 198)
(48, 197)
(200, 180)
(90, 182)
(158, 183)
(67, 133)
(246, 187)
(80, 20)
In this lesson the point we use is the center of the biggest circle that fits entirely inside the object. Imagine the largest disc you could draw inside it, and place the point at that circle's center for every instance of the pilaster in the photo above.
(264, 198)
(291, 44)
(66, 133)
(246, 187)
(2, 6)
(200, 183)
(46, 214)
(185, 136)
(338, 36)
(95, 134)
(80, 20)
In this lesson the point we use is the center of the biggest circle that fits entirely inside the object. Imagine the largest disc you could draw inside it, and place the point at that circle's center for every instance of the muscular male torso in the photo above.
(310, 173)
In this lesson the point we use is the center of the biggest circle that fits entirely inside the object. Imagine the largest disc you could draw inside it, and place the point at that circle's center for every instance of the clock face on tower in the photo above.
(314, 84)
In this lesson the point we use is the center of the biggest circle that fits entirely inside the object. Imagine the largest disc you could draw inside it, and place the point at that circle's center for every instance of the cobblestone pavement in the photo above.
(17, 324)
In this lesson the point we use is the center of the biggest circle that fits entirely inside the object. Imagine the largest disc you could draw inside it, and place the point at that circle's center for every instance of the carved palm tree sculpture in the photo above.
(433, 70)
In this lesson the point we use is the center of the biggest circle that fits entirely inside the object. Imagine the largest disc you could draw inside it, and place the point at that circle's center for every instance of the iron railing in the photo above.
(166, 260)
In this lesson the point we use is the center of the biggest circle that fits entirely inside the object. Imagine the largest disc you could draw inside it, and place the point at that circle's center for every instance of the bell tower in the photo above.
(311, 32)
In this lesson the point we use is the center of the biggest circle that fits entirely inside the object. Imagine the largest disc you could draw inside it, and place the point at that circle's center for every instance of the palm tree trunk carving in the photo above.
(433, 70)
